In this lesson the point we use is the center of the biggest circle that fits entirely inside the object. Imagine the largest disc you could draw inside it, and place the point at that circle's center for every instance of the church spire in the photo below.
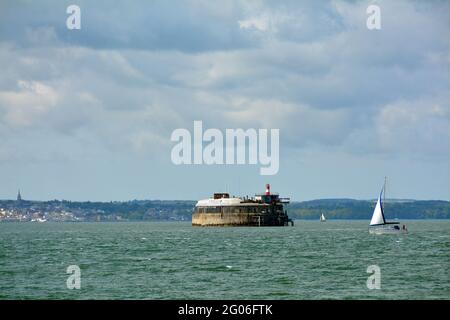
(19, 197)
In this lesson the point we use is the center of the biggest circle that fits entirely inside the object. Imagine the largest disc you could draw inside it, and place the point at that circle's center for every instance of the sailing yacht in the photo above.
(322, 218)
(378, 224)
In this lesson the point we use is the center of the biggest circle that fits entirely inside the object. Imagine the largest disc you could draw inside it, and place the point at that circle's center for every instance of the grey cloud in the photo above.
(138, 71)
(189, 26)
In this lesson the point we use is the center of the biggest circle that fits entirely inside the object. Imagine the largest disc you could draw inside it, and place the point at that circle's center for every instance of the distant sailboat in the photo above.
(322, 218)
(378, 224)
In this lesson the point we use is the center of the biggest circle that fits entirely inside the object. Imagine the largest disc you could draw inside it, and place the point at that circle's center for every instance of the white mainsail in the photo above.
(378, 216)
(322, 217)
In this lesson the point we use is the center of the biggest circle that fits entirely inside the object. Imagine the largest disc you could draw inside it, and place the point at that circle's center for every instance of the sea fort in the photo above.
(263, 210)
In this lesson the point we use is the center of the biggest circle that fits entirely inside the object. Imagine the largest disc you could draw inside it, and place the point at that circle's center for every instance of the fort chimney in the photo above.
(267, 189)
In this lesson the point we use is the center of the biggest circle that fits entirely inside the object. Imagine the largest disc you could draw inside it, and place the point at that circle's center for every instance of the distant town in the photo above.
(21, 210)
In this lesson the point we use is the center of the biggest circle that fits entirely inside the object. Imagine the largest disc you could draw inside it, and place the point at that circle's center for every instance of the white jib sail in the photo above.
(377, 217)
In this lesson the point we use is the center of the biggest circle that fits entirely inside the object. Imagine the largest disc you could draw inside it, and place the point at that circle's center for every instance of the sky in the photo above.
(88, 114)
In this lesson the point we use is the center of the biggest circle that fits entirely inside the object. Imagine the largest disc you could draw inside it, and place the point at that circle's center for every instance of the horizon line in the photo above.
(292, 201)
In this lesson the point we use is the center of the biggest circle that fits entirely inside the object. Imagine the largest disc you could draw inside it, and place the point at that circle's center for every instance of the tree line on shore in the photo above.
(137, 210)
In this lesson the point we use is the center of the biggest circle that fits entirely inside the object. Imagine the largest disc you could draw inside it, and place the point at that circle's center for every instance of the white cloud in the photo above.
(26, 105)
(258, 23)
(421, 127)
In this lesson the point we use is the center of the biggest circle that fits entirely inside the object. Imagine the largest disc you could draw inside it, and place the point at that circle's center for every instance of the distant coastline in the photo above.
(181, 210)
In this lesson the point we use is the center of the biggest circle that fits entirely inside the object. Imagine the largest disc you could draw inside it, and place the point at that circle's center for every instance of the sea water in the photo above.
(173, 260)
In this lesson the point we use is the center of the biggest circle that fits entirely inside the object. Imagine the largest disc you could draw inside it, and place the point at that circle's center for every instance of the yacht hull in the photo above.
(387, 230)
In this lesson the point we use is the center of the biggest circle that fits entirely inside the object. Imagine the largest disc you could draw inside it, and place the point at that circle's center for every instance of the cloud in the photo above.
(194, 26)
(256, 23)
(41, 36)
(135, 72)
(32, 100)
(420, 128)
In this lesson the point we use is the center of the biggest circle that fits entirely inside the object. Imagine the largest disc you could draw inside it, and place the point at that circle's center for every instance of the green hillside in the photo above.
(362, 209)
